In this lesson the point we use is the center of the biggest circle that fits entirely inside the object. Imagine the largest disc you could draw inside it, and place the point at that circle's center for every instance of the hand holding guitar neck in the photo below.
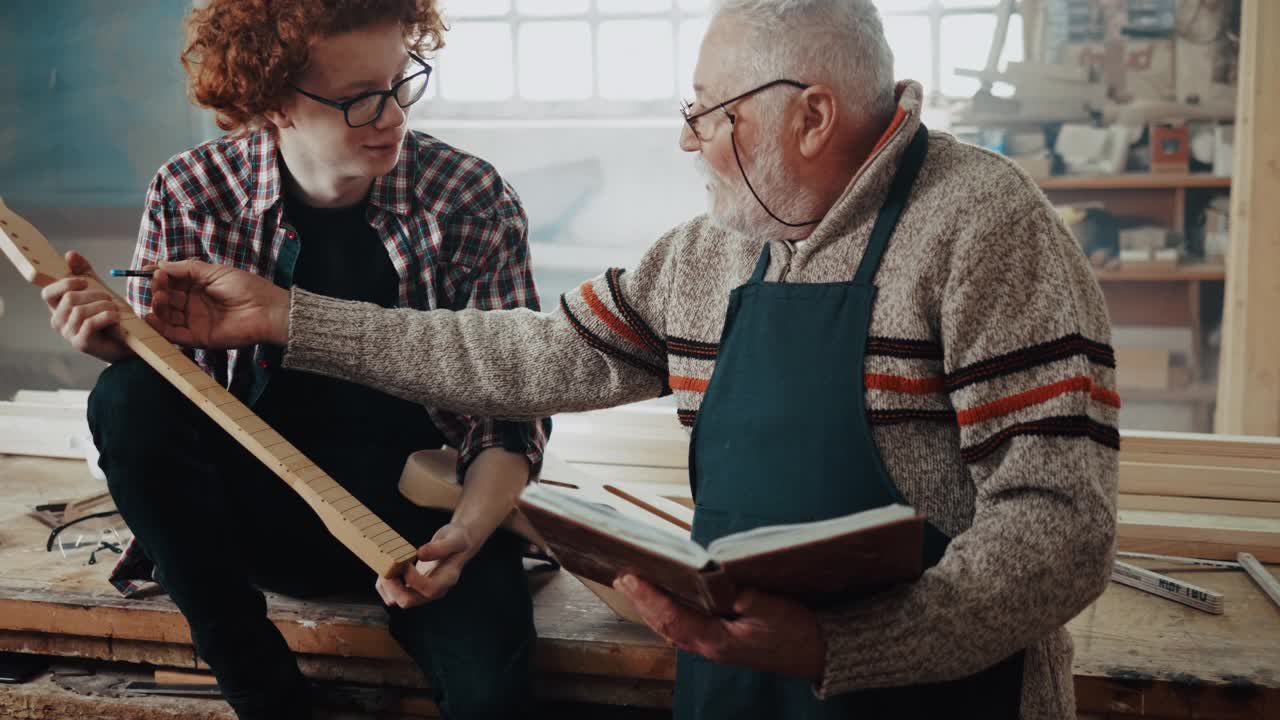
(230, 302)
(84, 314)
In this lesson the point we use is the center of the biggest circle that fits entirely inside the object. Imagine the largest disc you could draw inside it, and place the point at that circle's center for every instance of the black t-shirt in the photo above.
(340, 256)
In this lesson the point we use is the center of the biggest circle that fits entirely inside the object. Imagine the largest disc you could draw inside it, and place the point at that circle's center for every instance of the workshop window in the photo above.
(537, 59)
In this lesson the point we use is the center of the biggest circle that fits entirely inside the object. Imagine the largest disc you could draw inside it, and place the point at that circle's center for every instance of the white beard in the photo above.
(739, 211)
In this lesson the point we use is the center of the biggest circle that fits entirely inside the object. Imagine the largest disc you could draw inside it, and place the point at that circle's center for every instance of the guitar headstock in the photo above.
(28, 250)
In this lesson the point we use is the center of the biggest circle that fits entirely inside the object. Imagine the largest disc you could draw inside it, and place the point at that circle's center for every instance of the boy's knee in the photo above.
(134, 412)
(132, 401)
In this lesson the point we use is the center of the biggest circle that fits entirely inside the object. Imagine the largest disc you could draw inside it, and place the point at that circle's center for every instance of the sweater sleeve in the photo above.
(602, 346)
(1031, 376)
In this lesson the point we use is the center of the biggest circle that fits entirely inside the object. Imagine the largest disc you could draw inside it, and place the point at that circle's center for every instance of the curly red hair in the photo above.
(241, 55)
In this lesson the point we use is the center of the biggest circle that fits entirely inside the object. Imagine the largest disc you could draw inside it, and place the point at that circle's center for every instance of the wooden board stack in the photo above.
(375, 543)
(1205, 496)
(45, 423)
(1182, 494)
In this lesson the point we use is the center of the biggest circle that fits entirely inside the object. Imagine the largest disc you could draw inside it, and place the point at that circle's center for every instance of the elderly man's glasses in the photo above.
(366, 108)
(691, 118)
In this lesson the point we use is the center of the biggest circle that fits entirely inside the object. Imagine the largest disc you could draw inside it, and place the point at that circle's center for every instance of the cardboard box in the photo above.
(1170, 148)
(1142, 368)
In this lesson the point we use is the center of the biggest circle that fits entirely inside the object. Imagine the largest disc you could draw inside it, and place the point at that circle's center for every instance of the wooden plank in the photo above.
(1208, 506)
(1199, 444)
(656, 503)
(1248, 391)
(674, 477)
(620, 449)
(1203, 460)
(1224, 483)
(1178, 560)
(44, 437)
(32, 410)
(58, 398)
(180, 677)
(1217, 537)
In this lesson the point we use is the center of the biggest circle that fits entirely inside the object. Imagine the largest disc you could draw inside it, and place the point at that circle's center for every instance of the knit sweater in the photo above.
(989, 387)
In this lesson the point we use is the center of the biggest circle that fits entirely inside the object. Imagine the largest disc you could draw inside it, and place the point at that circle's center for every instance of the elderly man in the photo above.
(869, 313)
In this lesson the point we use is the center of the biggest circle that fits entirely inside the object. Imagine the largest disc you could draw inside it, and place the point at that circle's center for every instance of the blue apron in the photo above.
(782, 436)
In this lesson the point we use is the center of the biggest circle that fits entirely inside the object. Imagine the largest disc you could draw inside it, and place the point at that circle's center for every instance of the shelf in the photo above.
(1133, 181)
(1193, 393)
(1183, 273)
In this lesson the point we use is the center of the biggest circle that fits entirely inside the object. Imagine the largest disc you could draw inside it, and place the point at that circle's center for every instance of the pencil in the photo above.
(123, 272)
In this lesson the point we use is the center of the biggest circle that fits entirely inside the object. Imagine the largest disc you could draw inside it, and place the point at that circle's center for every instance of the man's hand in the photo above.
(197, 304)
(770, 634)
(84, 315)
(439, 566)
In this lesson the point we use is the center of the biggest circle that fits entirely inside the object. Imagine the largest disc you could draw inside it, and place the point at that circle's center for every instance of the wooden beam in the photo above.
(1217, 537)
(1249, 380)
(1208, 506)
(1196, 445)
(1228, 483)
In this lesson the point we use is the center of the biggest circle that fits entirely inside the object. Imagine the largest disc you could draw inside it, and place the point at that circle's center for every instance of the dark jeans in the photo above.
(219, 526)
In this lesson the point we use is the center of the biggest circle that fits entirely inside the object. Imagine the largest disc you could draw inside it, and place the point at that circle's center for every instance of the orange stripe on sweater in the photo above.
(898, 383)
(614, 322)
(1036, 396)
(1105, 396)
(898, 116)
(680, 382)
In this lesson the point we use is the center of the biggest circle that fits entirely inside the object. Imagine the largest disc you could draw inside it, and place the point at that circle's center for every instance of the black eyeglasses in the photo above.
(366, 108)
(692, 119)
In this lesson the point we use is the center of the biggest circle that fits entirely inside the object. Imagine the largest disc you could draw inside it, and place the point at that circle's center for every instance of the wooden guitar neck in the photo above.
(375, 543)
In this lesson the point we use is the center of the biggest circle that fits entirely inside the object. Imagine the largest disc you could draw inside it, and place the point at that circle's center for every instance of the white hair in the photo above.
(839, 43)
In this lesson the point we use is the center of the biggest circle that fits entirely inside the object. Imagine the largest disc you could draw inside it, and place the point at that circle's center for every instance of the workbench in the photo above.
(1136, 654)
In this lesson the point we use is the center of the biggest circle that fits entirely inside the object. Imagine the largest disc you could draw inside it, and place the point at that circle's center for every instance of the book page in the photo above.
(669, 544)
(776, 537)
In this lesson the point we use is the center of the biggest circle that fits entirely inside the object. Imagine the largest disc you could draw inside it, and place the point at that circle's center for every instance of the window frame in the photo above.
(597, 107)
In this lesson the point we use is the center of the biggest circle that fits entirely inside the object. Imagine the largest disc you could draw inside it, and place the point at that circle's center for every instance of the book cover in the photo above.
(816, 562)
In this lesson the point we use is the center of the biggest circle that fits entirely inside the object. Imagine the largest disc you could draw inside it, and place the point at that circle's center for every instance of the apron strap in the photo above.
(887, 219)
(761, 265)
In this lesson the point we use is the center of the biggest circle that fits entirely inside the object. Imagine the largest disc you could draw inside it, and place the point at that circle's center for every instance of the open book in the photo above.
(814, 562)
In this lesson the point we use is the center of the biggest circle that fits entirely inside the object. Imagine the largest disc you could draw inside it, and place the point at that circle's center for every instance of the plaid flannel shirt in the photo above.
(454, 230)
